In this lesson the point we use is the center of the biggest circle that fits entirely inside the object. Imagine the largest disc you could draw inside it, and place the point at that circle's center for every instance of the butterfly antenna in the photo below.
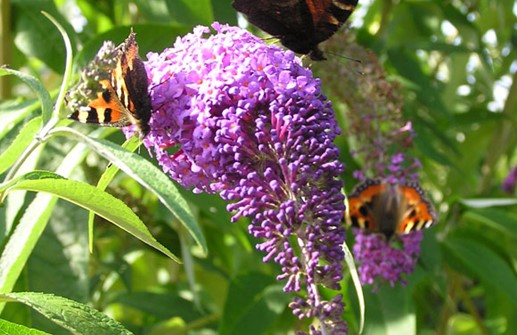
(345, 57)
(355, 60)
(161, 82)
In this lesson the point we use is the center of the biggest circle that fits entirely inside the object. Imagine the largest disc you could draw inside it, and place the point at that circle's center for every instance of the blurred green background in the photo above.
(457, 64)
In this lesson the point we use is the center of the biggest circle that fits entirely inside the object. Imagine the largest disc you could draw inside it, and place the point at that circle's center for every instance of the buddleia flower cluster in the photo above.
(381, 139)
(236, 117)
(509, 182)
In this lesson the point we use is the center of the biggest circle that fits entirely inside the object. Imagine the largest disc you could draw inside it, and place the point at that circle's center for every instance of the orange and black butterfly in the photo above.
(381, 207)
(299, 24)
(122, 98)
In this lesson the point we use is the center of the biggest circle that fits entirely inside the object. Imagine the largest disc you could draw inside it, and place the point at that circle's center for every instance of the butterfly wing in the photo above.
(362, 203)
(130, 80)
(328, 16)
(300, 24)
(390, 209)
(105, 110)
(123, 100)
(289, 20)
(418, 212)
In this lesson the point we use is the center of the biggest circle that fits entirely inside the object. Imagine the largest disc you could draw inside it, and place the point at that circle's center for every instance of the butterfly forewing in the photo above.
(331, 15)
(135, 81)
(362, 204)
(419, 212)
(299, 24)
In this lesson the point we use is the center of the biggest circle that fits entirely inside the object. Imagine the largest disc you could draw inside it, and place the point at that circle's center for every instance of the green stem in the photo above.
(385, 17)
(5, 46)
(471, 307)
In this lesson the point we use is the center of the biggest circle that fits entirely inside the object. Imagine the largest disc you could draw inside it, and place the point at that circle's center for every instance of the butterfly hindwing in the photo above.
(299, 24)
(104, 110)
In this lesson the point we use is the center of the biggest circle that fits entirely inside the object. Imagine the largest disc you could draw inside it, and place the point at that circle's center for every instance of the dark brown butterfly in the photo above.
(123, 99)
(299, 24)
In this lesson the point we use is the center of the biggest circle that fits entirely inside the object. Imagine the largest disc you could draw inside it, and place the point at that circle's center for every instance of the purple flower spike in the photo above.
(380, 260)
(510, 181)
(237, 117)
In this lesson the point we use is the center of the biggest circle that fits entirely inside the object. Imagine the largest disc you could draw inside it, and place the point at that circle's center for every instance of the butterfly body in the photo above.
(299, 24)
(123, 99)
(381, 207)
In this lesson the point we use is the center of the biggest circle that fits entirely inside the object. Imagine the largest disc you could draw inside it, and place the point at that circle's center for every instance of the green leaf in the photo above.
(14, 114)
(482, 263)
(63, 247)
(153, 11)
(37, 87)
(20, 243)
(107, 176)
(191, 12)
(462, 324)
(147, 175)
(349, 259)
(224, 13)
(254, 302)
(35, 36)
(67, 71)
(150, 37)
(89, 197)
(7, 328)
(161, 305)
(389, 311)
(497, 219)
(76, 317)
(22, 141)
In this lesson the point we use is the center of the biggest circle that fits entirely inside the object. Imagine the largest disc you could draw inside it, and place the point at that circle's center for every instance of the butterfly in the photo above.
(123, 98)
(388, 209)
(299, 24)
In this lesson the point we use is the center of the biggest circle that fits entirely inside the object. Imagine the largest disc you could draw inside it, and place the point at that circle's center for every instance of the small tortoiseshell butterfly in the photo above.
(381, 207)
(299, 24)
(122, 98)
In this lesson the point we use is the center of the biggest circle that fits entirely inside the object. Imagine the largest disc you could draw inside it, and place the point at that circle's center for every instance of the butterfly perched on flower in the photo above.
(118, 79)
(388, 209)
(299, 24)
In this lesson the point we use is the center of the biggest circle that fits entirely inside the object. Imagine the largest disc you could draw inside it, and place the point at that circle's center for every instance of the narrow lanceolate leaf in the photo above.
(22, 141)
(107, 176)
(76, 317)
(145, 173)
(32, 221)
(349, 259)
(250, 296)
(7, 327)
(37, 87)
(494, 220)
(474, 258)
(89, 197)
